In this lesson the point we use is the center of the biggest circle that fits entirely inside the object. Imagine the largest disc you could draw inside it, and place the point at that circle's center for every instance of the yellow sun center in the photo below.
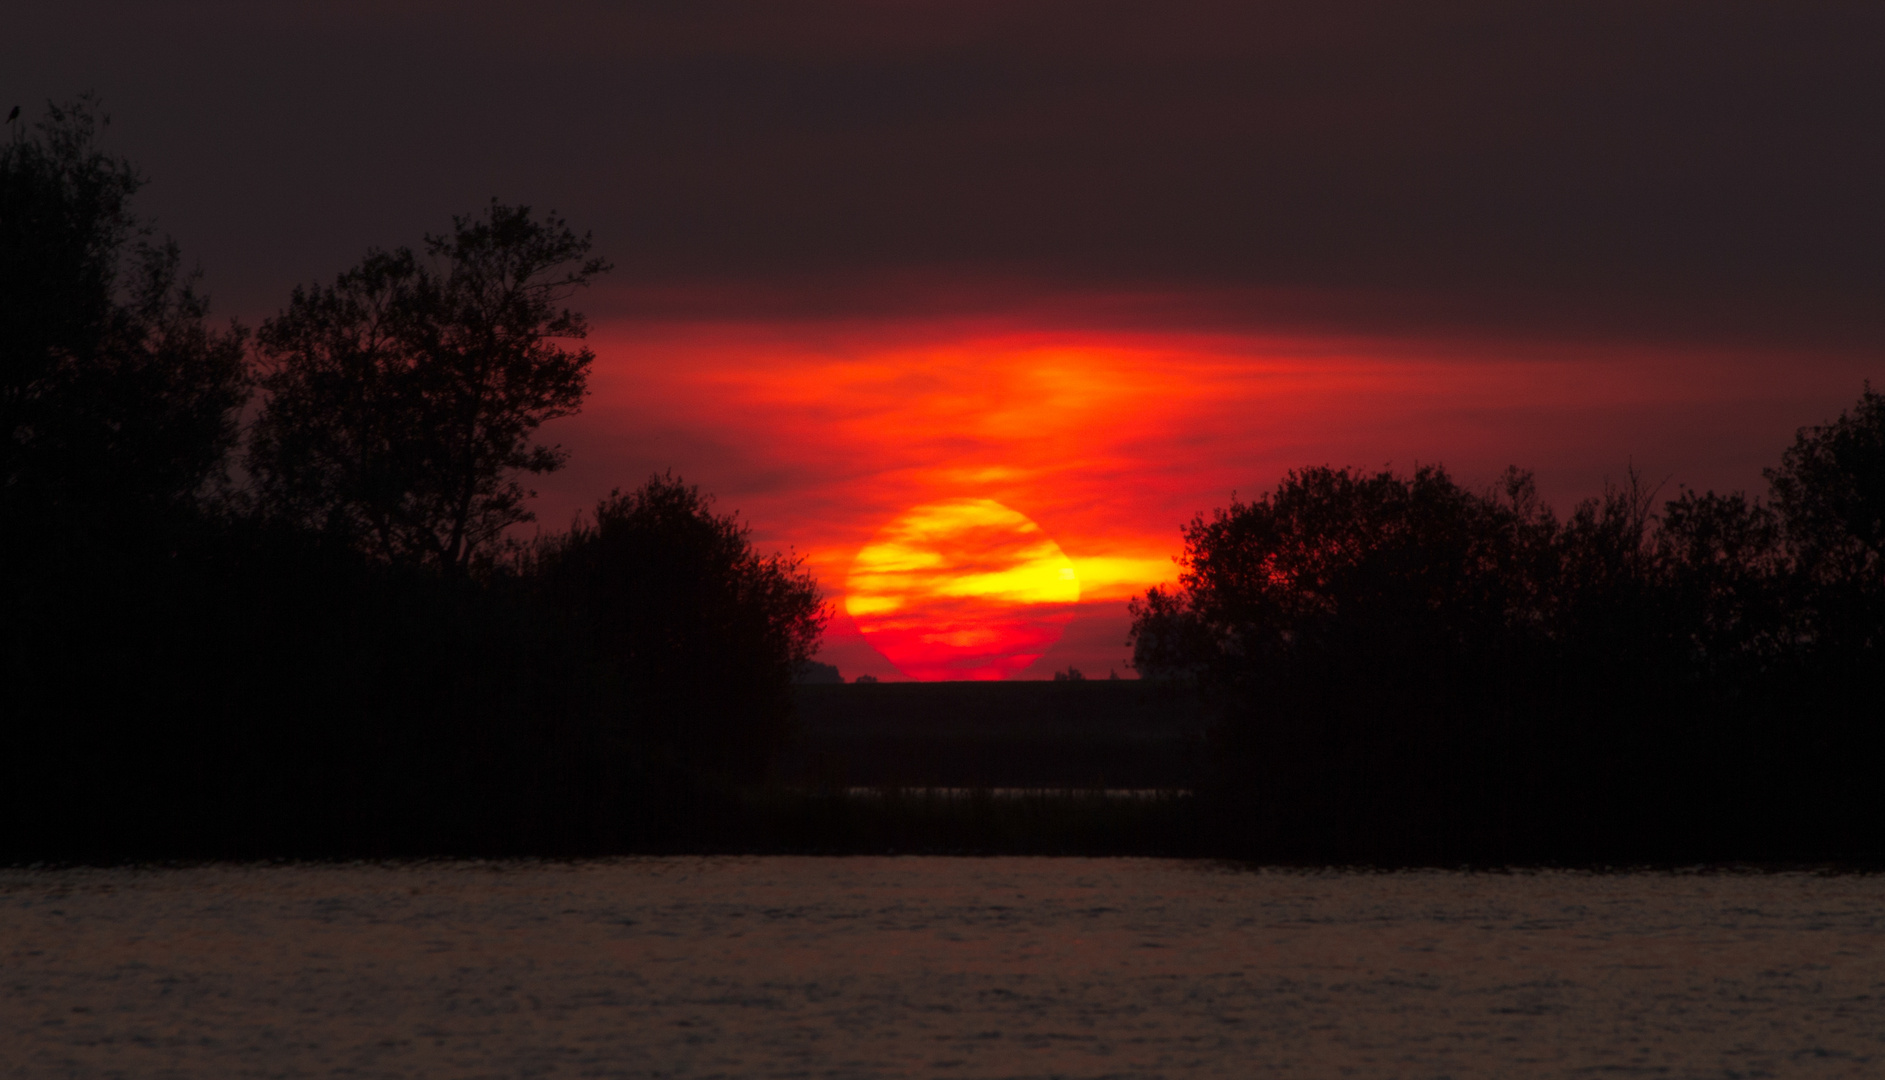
(966, 588)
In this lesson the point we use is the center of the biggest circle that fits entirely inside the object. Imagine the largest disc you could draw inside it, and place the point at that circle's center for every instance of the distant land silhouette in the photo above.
(310, 636)
(814, 673)
(1047, 735)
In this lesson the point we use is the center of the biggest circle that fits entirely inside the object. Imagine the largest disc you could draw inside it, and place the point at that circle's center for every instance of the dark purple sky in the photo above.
(1696, 171)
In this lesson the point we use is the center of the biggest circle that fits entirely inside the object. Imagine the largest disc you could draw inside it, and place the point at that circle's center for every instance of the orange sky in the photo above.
(821, 433)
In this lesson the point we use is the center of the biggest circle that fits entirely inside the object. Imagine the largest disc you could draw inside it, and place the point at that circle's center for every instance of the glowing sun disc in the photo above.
(961, 589)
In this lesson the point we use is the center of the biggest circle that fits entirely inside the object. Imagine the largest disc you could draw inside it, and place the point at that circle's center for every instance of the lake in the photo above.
(998, 967)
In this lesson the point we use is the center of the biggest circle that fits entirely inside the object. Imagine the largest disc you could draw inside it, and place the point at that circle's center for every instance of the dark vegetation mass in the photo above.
(291, 622)
(1399, 668)
(263, 596)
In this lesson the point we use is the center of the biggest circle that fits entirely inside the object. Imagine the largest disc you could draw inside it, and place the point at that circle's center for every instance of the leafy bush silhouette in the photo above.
(702, 633)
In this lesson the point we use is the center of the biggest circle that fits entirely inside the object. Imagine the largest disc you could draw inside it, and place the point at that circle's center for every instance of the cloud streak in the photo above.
(1685, 169)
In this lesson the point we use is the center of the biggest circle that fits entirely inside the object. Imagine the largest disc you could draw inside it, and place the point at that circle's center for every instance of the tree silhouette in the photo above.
(402, 399)
(117, 397)
(704, 633)
(1723, 568)
(1347, 568)
(1829, 490)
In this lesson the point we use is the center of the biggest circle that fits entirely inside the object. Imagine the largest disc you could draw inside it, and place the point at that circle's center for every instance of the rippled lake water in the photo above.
(864, 967)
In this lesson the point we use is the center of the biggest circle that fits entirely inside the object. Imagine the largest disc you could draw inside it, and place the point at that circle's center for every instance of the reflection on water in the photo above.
(935, 967)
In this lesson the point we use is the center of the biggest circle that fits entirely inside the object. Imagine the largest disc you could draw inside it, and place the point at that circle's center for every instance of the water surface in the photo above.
(863, 967)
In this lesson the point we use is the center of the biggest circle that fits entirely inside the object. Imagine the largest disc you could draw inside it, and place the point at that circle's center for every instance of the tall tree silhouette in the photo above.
(117, 398)
(402, 399)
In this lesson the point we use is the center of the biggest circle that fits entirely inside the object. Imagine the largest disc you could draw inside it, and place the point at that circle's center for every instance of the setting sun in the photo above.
(961, 589)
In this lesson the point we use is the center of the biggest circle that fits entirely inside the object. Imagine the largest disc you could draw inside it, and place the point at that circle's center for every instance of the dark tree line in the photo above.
(260, 593)
(1405, 668)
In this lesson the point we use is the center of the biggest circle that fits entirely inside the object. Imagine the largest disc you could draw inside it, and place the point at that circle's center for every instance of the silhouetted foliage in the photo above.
(118, 399)
(402, 399)
(1403, 668)
(120, 402)
(269, 692)
(1725, 575)
(1336, 563)
(703, 632)
(289, 673)
(1830, 493)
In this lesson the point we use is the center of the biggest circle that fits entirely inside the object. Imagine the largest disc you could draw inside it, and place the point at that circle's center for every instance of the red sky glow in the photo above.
(821, 433)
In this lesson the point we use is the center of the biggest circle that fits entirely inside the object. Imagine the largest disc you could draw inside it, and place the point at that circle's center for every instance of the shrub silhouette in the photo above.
(702, 633)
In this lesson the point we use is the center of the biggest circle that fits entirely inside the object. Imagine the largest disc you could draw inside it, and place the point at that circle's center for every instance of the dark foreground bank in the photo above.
(1101, 769)
(1052, 735)
(394, 716)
